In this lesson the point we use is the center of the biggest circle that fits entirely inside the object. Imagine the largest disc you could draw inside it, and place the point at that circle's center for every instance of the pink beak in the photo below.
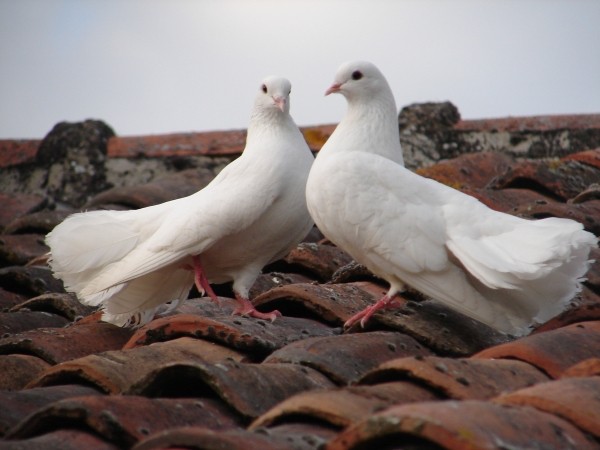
(279, 102)
(335, 87)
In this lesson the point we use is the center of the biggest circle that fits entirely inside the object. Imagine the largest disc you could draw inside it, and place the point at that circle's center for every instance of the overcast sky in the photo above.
(162, 66)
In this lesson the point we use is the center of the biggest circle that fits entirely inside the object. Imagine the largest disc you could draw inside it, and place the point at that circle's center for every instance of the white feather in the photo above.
(502, 270)
(254, 211)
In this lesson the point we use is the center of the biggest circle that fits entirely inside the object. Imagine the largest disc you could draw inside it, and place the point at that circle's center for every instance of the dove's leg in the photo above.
(387, 301)
(246, 308)
(201, 281)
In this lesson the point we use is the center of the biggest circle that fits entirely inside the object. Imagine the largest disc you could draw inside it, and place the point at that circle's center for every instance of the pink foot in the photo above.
(201, 281)
(245, 308)
(364, 315)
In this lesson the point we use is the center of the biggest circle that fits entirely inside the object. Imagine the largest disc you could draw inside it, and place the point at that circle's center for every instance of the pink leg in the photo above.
(201, 281)
(245, 308)
(364, 315)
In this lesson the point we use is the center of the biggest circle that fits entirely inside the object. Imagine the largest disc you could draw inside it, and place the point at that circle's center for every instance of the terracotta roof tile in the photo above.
(65, 439)
(318, 259)
(17, 205)
(473, 170)
(20, 249)
(346, 358)
(458, 378)
(170, 187)
(204, 438)
(122, 420)
(562, 179)
(573, 399)
(250, 389)
(56, 345)
(457, 425)
(117, 371)
(552, 351)
(342, 407)
(18, 370)
(198, 377)
(41, 222)
(241, 333)
(13, 152)
(63, 304)
(586, 368)
(20, 321)
(29, 281)
(16, 406)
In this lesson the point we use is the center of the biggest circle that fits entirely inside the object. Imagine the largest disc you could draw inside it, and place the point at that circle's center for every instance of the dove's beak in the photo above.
(333, 88)
(280, 103)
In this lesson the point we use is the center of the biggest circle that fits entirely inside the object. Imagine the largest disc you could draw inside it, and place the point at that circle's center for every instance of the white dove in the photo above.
(252, 213)
(502, 270)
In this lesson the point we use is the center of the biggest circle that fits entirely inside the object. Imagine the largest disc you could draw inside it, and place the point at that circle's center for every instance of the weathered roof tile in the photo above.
(250, 389)
(458, 378)
(454, 425)
(116, 371)
(346, 358)
(18, 405)
(241, 333)
(552, 351)
(18, 370)
(573, 399)
(55, 345)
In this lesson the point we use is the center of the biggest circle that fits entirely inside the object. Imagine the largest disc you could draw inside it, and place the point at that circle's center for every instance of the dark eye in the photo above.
(357, 75)
(264, 88)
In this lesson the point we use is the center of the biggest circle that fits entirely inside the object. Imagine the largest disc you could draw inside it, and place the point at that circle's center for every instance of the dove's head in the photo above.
(274, 94)
(357, 80)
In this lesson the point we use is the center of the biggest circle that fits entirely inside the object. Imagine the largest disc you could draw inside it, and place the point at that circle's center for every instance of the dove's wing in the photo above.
(190, 226)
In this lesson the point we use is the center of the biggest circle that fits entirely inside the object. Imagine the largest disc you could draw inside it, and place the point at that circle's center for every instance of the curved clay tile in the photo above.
(552, 351)
(573, 399)
(41, 222)
(318, 259)
(18, 249)
(169, 187)
(587, 213)
(586, 368)
(204, 438)
(29, 281)
(249, 389)
(115, 372)
(18, 370)
(507, 200)
(63, 304)
(472, 170)
(329, 303)
(64, 440)
(562, 179)
(255, 337)
(55, 345)
(342, 407)
(460, 425)
(17, 205)
(267, 281)
(12, 323)
(458, 378)
(124, 420)
(18, 405)
(589, 157)
(346, 358)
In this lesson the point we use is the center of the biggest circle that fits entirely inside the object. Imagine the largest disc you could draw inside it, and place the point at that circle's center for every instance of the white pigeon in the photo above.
(252, 213)
(502, 270)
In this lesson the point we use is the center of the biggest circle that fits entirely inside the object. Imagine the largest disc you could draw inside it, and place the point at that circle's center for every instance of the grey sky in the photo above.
(160, 66)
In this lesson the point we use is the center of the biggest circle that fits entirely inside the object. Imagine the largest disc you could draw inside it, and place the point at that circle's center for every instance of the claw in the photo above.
(200, 280)
(245, 308)
(364, 315)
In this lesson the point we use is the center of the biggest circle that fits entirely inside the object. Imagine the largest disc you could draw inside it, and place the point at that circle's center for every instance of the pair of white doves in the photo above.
(502, 270)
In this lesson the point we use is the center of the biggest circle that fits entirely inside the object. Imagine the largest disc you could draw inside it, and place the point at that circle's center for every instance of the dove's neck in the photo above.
(268, 127)
(370, 125)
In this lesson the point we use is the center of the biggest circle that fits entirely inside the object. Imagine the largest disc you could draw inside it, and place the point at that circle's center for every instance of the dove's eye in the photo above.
(357, 75)
(264, 88)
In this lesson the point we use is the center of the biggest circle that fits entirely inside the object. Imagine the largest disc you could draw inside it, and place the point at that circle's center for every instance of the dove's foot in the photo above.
(245, 308)
(364, 315)
(201, 281)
